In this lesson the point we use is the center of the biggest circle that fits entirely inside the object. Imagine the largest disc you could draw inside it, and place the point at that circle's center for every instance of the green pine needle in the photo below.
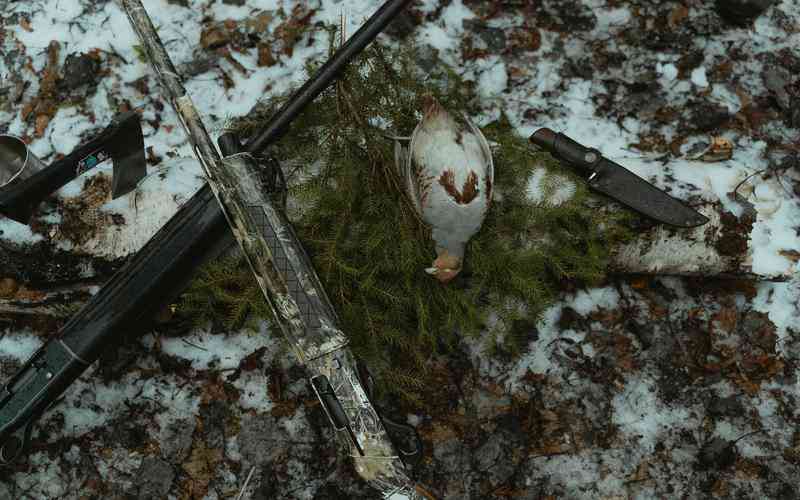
(370, 249)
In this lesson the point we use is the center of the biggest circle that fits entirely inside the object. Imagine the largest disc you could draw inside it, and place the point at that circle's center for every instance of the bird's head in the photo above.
(445, 268)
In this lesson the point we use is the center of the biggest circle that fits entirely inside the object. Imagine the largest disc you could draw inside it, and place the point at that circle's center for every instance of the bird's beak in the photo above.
(433, 271)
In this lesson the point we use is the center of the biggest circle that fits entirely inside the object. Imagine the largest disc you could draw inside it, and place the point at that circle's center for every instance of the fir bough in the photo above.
(223, 295)
(369, 247)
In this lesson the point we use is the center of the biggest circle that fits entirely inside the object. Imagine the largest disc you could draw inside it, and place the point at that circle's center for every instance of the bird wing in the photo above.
(487, 153)
(402, 159)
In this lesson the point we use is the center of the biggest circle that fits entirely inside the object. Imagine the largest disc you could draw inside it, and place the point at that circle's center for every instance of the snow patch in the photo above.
(640, 415)
(19, 345)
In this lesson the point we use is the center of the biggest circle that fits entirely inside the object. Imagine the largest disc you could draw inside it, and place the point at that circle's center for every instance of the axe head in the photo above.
(126, 148)
(25, 181)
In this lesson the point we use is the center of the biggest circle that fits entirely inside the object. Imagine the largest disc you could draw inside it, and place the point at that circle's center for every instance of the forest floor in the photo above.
(646, 386)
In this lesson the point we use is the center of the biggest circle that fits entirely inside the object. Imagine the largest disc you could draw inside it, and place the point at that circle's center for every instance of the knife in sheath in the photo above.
(617, 182)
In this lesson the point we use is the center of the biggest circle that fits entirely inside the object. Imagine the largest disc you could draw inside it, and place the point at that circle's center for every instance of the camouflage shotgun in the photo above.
(156, 274)
(287, 278)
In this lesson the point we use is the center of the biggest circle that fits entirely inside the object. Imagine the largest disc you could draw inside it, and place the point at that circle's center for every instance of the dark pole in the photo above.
(321, 79)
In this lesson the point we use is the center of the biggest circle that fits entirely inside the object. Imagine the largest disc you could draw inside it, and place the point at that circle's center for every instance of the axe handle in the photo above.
(20, 199)
(156, 274)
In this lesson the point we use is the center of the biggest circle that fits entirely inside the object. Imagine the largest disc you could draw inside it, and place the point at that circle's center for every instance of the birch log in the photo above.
(722, 248)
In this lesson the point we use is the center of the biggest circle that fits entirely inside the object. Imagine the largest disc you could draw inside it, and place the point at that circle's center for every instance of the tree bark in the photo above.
(719, 249)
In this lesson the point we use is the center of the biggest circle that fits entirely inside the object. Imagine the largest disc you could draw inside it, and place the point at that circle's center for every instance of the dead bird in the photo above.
(448, 172)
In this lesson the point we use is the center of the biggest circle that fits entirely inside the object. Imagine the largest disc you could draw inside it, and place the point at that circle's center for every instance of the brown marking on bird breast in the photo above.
(430, 106)
(468, 191)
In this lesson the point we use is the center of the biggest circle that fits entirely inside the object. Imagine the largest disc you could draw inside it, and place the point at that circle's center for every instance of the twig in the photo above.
(736, 189)
(749, 434)
(774, 170)
(246, 482)
(116, 54)
(194, 345)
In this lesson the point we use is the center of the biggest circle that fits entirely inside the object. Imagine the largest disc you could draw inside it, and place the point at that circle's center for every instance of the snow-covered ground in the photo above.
(652, 435)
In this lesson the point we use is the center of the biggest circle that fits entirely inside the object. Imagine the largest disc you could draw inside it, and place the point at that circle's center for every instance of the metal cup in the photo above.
(16, 160)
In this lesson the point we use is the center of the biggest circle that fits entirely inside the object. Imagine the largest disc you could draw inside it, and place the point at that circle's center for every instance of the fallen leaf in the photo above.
(201, 468)
(678, 14)
(721, 71)
(550, 448)
(8, 287)
(283, 409)
(42, 121)
(744, 97)
(236, 64)
(721, 149)
(748, 386)
(747, 469)
(720, 488)
(792, 255)
(528, 40)
(516, 72)
(675, 145)
(259, 23)
(30, 295)
(265, 57)
(533, 377)
(213, 37)
(727, 318)
(26, 24)
(642, 472)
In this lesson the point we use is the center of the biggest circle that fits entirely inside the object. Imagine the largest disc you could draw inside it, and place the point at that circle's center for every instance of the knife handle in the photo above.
(19, 200)
(584, 159)
(154, 275)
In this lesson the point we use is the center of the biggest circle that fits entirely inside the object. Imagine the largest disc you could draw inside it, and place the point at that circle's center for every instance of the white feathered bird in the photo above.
(448, 173)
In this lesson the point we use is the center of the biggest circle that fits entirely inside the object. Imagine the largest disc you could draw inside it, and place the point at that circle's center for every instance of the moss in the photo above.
(370, 249)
